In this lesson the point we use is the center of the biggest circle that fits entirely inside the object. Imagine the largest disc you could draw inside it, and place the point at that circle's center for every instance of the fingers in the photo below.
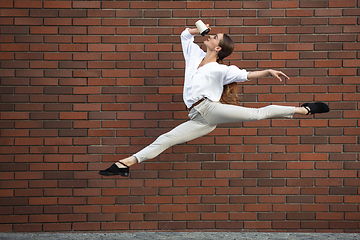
(283, 74)
(208, 26)
(277, 73)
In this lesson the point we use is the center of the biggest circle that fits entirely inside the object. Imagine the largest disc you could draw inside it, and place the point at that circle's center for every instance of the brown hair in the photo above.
(229, 94)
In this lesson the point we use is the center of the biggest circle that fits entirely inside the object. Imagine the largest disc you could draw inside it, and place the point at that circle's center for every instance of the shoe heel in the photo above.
(124, 171)
(124, 174)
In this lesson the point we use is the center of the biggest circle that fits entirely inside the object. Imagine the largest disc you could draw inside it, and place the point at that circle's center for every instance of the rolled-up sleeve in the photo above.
(188, 45)
(234, 74)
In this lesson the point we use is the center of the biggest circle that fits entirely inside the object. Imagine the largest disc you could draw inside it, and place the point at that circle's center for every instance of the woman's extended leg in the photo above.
(220, 113)
(183, 133)
(217, 113)
(204, 120)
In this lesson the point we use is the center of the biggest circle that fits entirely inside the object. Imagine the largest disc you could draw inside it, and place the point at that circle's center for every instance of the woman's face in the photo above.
(212, 43)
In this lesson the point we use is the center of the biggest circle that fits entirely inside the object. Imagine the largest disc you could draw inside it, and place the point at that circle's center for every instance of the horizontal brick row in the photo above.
(36, 4)
(336, 226)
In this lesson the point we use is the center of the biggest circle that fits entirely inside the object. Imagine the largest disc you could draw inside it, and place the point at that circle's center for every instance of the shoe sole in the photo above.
(114, 174)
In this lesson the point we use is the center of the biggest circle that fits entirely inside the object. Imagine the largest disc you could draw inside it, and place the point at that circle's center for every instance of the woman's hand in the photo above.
(266, 73)
(277, 74)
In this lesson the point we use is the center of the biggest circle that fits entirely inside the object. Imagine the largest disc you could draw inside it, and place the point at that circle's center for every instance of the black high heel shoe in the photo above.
(316, 107)
(115, 170)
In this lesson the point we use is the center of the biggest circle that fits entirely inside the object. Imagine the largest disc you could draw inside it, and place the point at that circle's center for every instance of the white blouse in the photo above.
(208, 80)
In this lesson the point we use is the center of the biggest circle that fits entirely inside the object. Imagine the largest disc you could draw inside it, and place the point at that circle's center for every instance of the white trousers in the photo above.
(204, 118)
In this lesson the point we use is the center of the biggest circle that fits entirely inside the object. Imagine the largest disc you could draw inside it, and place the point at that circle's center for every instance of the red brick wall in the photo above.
(86, 83)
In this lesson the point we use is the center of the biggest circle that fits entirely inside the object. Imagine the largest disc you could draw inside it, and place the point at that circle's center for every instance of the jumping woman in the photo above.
(207, 81)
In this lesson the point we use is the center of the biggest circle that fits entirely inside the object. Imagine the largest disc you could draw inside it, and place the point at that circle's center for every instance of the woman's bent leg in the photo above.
(182, 133)
(219, 113)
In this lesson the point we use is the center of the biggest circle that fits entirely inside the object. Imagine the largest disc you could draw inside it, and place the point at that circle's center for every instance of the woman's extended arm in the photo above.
(266, 73)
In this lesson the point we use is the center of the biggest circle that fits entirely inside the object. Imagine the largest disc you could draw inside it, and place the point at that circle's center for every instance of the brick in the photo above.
(15, 12)
(214, 216)
(43, 30)
(286, 224)
(7, 4)
(286, 207)
(339, 4)
(256, 5)
(14, 47)
(200, 225)
(257, 22)
(329, 216)
(342, 173)
(343, 191)
(57, 5)
(17, 30)
(86, 226)
(257, 225)
(144, 225)
(57, 226)
(243, 216)
(311, 4)
(299, 13)
(272, 216)
(343, 208)
(257, 190)
(257, 207)
(102, 13)
(12, 219)
(29, 4)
